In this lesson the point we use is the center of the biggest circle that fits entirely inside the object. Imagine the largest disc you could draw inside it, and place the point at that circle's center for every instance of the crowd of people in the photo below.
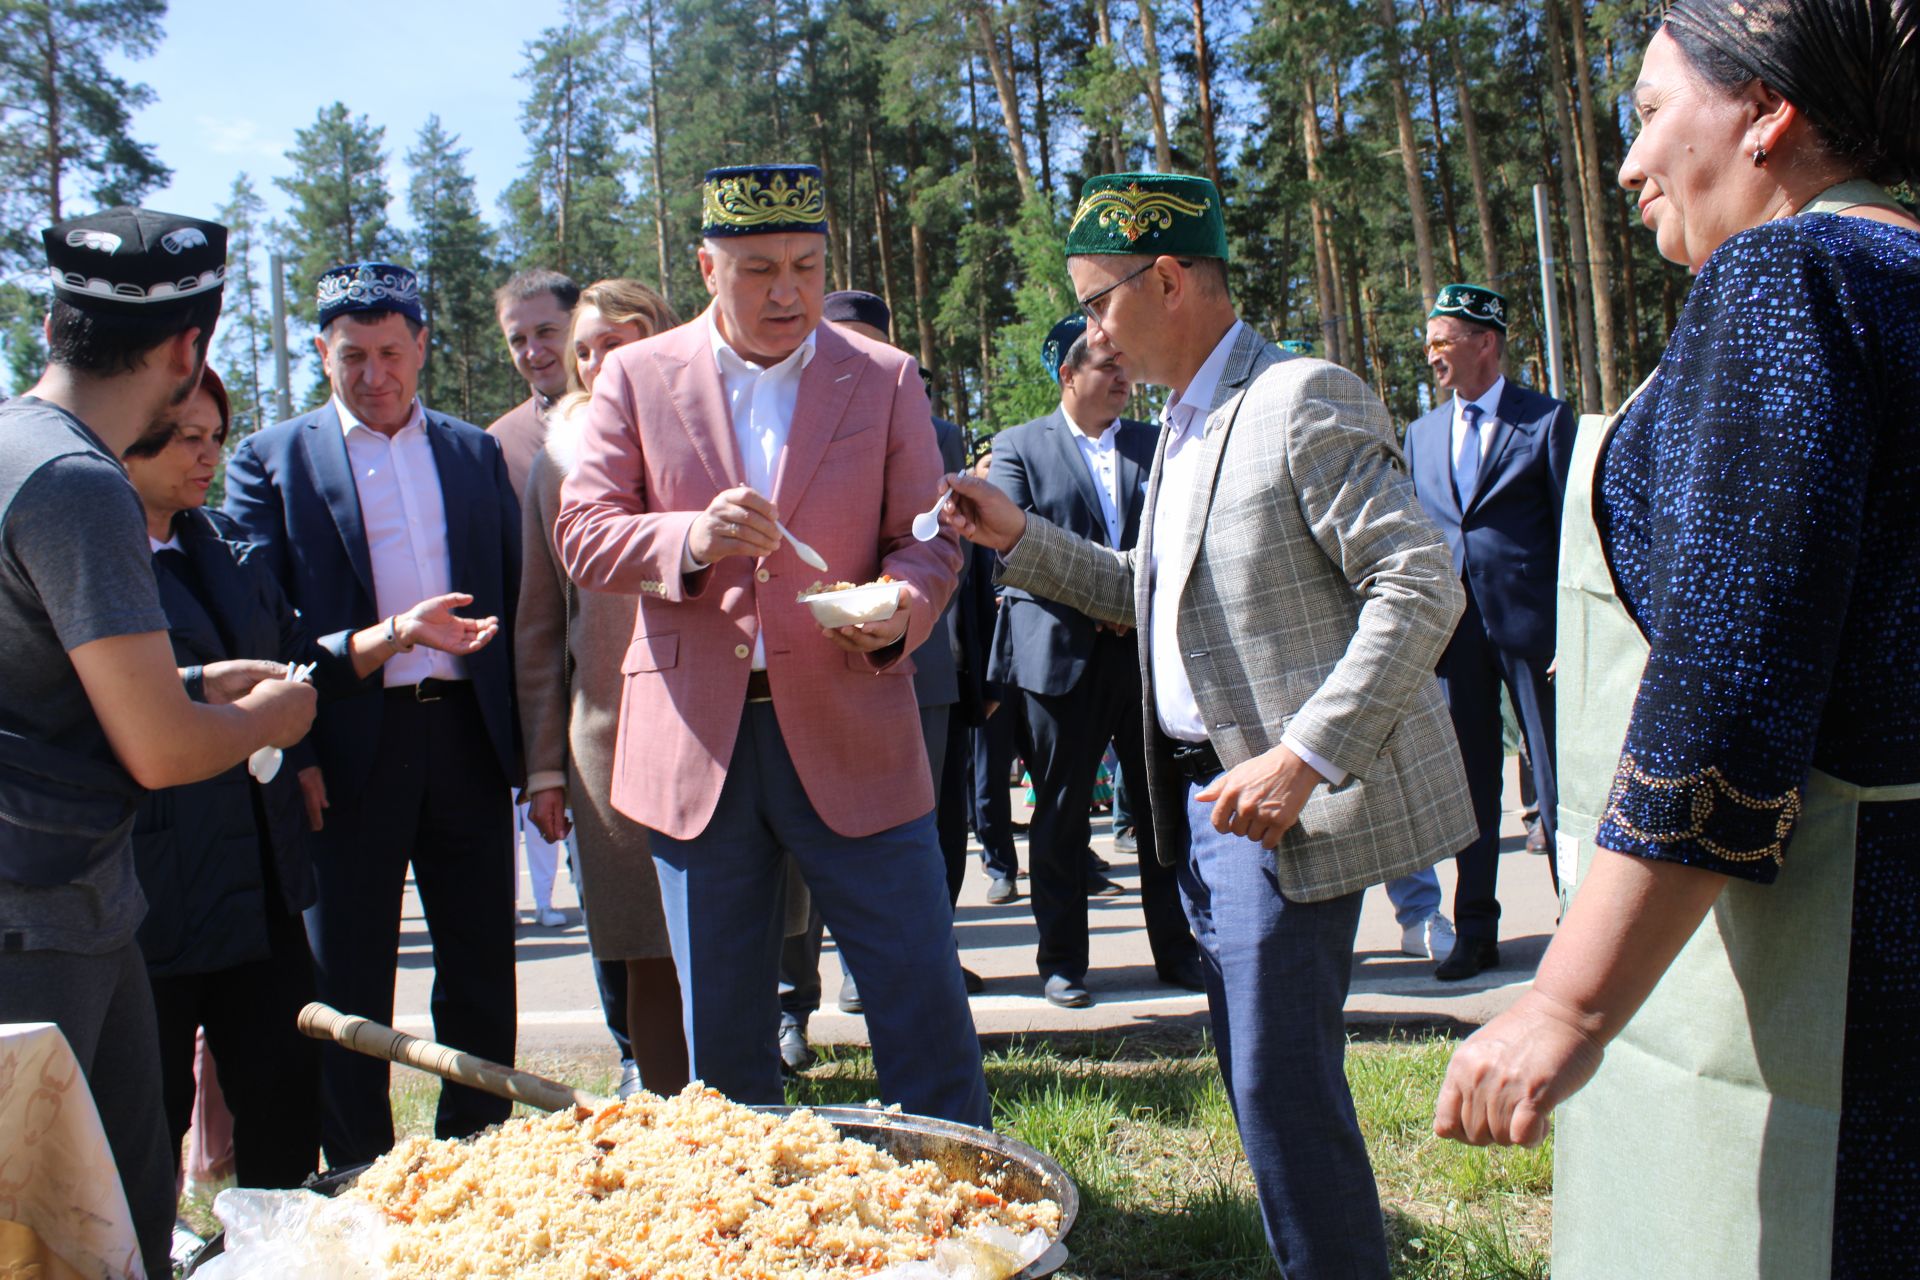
(407, 646)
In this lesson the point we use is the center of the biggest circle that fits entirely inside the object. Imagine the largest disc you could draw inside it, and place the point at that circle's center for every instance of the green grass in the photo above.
(1144, 1129)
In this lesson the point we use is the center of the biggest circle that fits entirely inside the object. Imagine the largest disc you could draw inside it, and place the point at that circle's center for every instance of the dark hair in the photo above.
(152, 442)
(1077, 354)
(1851, 67)
(533, 283)
(106, 344)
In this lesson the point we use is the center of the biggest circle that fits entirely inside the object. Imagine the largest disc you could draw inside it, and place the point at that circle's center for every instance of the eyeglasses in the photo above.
(1437, 345)
(1088, 305)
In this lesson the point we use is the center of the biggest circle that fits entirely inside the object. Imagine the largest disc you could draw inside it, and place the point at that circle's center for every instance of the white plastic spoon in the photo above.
(264, 764)
(926, 525)
(801, 549)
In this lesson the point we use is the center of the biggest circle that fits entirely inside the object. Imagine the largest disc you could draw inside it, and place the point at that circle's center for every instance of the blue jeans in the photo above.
(1277, 974)
(1414, 897)
(884, 896)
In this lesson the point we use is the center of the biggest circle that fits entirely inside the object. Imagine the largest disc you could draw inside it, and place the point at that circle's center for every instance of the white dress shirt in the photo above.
(405, 515)
(1489, 401)
(1185, 421)
(171, 544)
(1103, 465)
(760, 400)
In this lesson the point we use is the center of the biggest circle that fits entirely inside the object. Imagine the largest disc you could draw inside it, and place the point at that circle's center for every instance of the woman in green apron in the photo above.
(1739, 700)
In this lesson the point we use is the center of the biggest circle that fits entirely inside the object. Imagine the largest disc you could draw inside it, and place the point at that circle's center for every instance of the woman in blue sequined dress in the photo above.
(1744, 642)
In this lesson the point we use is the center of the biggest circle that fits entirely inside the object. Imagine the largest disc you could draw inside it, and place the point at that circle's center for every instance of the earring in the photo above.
(1759, 157)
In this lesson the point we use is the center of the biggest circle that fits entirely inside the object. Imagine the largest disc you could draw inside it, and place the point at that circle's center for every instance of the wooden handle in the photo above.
(323, 1022)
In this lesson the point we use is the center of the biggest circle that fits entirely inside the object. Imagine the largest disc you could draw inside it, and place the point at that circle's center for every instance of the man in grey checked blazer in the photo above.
(1291, 600)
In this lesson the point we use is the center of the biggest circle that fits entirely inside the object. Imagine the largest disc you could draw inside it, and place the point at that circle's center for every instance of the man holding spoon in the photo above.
(747, 730)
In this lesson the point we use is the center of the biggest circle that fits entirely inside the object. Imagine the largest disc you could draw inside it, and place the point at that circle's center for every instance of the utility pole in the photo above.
(282, 366)
(1550, 322)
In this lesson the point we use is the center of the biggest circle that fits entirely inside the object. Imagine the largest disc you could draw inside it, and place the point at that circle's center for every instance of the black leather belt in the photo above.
(1195, 761)
(432, 689)
(758, 688)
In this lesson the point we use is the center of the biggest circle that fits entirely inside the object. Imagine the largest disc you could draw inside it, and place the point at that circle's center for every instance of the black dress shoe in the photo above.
(1097, 862)
(1098, 886)
(796, 1055)
(1067, 993)
(849, 1000)
(1185, 972)
(1469, 957)
(975, 984)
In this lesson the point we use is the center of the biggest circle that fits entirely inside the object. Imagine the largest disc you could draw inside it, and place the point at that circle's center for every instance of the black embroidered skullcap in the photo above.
(135, 261)
(858, 306)
(368, 287)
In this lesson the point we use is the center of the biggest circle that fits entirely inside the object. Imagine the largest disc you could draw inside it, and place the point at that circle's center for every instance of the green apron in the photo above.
(1705, 1146)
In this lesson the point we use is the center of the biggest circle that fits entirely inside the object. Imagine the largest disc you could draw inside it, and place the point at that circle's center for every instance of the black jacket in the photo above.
(209, 853)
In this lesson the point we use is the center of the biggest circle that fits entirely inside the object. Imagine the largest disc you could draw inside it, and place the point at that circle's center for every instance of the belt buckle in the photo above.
(426, 690)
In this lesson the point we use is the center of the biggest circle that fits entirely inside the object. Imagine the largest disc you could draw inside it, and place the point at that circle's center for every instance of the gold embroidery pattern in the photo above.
(1708, 787)
(745, 201)
(1133, 212)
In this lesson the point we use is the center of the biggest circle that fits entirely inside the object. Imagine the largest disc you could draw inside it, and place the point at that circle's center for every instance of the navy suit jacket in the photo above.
(936, 679)
(1042, 645)
(290, 490)
(1505, 535)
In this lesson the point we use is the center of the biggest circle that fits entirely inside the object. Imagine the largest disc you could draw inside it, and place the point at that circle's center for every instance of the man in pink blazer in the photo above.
(747, 731)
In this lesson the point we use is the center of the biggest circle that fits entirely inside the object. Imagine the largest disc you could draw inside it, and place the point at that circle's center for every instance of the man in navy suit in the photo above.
(1490, 467)
(1085, 469)
(360, 506)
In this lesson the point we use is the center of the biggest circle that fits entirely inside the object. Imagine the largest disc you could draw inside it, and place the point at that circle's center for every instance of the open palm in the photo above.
(434, 624)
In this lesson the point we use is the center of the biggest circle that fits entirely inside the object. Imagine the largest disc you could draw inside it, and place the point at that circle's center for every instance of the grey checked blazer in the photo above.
(1315, 598)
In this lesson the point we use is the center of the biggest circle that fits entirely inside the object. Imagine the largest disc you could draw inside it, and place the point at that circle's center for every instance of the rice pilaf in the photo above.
(686, 1188)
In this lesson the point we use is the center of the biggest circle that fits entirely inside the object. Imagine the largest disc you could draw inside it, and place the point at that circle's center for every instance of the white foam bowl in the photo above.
(875, 602)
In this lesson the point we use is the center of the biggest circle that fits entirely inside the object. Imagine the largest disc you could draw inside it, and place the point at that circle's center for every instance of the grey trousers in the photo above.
(102, 1004)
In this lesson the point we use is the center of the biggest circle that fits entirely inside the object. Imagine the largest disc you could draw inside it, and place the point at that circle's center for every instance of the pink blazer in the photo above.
(860, 462)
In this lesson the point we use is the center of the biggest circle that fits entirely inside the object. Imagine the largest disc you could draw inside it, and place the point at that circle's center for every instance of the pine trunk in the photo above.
(658, 160)
(1009, 103)
(1476, 158)
(1409, 152)
(882, 226)
(1325, 294)
(51, 82)
(1041, 119)
(1575, 208)
(1599, 245)
(1156, 97)
(1443, 173)
(1203, 76)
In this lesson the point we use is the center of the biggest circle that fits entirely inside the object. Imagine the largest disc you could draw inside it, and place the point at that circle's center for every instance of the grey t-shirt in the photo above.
(74, 567)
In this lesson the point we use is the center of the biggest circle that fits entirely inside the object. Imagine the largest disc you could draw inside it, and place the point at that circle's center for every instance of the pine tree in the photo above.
(339, 194)
(467, 372)
(245, 340)
(65, 118)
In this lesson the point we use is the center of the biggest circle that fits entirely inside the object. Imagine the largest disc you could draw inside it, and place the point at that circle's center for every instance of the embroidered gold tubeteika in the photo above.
(1705, 787)
(1133, 212)
(745, 201)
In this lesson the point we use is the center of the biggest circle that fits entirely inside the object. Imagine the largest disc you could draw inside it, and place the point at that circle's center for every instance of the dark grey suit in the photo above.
(1080, 689)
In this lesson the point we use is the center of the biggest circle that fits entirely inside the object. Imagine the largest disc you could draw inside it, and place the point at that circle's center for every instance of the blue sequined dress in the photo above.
(1760, 509)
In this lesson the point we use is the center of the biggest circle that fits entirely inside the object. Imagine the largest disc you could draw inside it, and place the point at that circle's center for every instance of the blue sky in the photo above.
(235, 78)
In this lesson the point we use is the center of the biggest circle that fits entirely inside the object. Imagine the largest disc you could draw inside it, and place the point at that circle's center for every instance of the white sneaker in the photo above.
(1429, 939)
(185, 1243)
(551, 919)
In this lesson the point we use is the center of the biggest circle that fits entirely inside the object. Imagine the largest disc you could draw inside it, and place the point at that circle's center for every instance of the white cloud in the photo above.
(231, 136)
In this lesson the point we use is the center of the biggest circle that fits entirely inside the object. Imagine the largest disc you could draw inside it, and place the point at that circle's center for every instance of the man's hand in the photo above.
(434, 624)
(1507, 1077)
(1262, 798)
(282, 708)
(228, 682)
(547, 810)
(738, 522)
(982, 514)
(313, 790)
(867, 637)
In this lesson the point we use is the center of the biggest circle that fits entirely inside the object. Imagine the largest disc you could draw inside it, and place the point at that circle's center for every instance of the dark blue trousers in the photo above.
(435, 800)
(994, 746)
(1472, 670)
(1277, 976)
(883, 896)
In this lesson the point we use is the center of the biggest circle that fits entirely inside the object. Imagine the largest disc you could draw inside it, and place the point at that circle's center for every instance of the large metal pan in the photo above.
(958, 1150)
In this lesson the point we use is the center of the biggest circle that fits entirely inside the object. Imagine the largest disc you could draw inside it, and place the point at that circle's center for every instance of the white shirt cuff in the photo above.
(1319, 764)
(687, 563)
